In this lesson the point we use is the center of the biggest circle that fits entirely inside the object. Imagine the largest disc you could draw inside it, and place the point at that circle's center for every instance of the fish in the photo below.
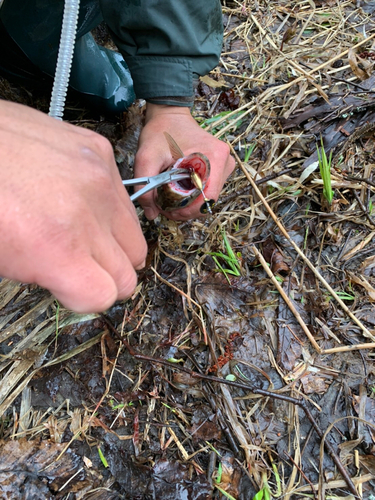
(180, 194)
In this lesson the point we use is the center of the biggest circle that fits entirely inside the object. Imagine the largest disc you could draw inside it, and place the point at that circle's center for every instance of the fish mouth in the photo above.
(180, 194)
(186, 185)
(196, 162)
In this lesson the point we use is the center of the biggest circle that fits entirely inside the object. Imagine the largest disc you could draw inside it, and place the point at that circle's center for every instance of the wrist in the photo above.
(156, 110)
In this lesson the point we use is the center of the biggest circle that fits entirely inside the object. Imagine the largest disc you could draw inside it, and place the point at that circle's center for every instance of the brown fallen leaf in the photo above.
(368, 463)
(362, 281)
(368, 264)
(213, 83)
(205, 431)
(274, 257)
(313, 384)
(230, 477)
(358, 247)
(335, 233)
(362, 68)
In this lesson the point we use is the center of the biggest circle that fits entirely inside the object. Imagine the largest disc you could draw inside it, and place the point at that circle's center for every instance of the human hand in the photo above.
(153, 155)
(66, 220)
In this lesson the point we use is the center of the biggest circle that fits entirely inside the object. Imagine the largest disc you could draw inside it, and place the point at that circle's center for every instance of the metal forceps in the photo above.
(156, 181)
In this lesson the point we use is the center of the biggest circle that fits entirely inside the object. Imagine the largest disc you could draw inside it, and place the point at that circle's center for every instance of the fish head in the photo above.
(180, 194)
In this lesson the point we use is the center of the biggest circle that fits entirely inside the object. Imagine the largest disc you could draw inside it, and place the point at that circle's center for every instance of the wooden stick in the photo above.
(345, 348)
(289, 303)
(365, 331)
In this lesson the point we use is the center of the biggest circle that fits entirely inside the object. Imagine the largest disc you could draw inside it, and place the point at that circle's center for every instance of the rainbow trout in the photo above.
(181, 194)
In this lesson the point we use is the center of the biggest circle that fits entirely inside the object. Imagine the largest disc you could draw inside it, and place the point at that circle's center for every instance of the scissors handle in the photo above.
(156, 181)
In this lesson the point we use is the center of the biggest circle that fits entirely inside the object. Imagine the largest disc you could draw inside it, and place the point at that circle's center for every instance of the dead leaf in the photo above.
(215, 84)
(368, 264)
(360, 67)
(205, 431)
(274, 257)
(335, 233)
(358, 247)
(368, 463)
(230, 477)
(362, 281)
(313, 384)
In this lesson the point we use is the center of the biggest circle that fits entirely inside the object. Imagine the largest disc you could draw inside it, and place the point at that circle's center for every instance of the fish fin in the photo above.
(173, 147)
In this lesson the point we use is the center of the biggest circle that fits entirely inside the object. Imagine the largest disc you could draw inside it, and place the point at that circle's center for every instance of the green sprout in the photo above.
(102, 457)
(210, 122)
(119, 406)
(231, 259)
(341, 295)
(241, 373)
(174, 360)
(264, 493)
(249, 151)
(345, 296)
(278, 480)
(325, 172)
(213, 448)
(219, 473)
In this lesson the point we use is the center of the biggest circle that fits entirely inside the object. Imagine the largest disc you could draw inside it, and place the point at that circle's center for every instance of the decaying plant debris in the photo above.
(205, 384)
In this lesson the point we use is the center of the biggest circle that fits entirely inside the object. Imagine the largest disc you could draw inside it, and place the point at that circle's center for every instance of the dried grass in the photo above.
(275, 73)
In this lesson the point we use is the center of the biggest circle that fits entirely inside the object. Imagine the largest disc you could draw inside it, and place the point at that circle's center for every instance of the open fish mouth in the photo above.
(180, 194)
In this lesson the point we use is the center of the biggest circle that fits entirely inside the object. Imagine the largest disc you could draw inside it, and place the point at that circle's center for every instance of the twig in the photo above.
(346, 348)
(302, 473)
(258, 182)
(200, 376)
(288, 302)
(366, 332)
(361, 179)
(363, 208)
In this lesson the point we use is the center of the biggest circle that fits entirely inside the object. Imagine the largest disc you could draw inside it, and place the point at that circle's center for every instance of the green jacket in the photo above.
(167, 44)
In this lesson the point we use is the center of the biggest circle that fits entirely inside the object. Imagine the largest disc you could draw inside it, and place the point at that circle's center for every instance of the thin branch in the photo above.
(366, 332)
(200, 376)
(287, 300)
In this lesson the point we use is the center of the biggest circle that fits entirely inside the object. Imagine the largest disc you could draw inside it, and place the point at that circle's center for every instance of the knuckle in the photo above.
(102, 144)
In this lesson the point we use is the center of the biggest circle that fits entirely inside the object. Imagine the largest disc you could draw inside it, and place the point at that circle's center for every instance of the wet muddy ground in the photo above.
(205, 384)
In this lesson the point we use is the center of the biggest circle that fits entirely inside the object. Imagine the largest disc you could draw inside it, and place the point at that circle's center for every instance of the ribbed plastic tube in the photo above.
(64, 59)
